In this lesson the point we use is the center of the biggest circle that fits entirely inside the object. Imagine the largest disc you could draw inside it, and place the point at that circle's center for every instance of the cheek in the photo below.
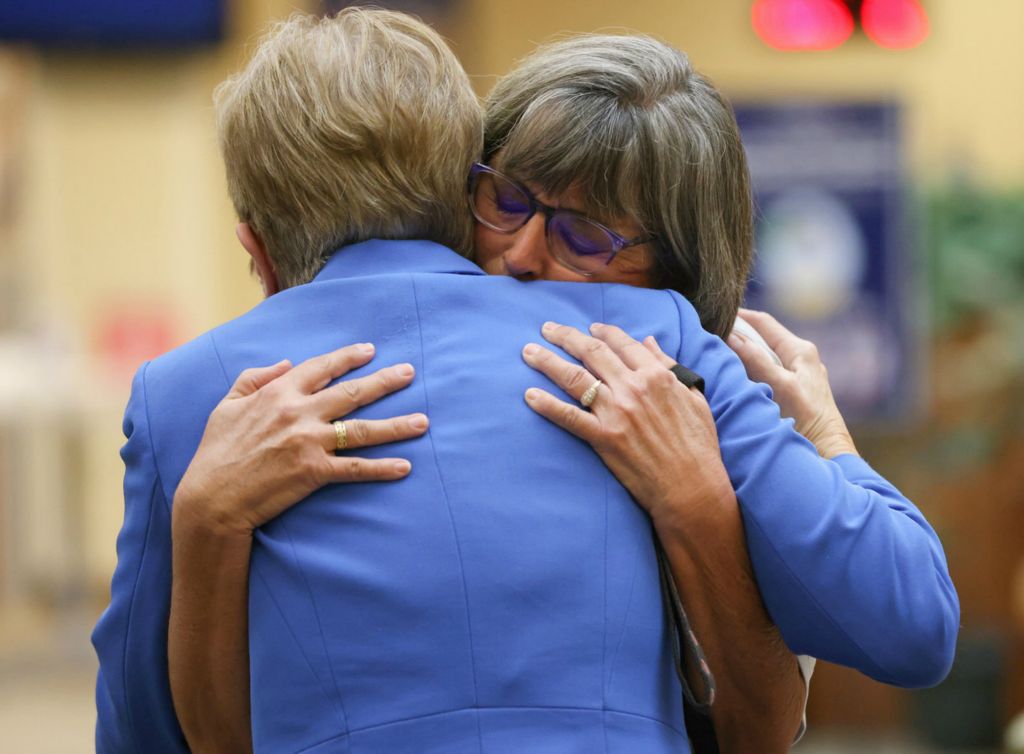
(563, 274)
(639, 277)
(488, 247)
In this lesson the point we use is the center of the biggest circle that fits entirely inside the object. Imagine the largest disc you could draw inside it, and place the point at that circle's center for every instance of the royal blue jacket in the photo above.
(504, 597)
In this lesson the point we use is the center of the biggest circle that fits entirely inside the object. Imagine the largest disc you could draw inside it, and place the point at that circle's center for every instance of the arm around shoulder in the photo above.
(850, 570)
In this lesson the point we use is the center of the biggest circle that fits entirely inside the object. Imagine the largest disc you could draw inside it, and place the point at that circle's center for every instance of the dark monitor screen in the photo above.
(112, 23)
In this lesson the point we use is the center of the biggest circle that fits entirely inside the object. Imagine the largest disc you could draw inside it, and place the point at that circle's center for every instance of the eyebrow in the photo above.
(497, 162)
(598, 217)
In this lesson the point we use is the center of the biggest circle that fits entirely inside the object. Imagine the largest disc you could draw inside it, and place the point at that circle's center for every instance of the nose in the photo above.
(528, 257)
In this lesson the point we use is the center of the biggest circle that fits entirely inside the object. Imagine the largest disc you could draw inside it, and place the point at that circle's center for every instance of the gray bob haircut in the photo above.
(626, 122)
(341, 129)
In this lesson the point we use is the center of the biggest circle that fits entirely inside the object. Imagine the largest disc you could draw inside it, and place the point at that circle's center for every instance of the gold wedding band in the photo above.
(341, 434)
(587, 399)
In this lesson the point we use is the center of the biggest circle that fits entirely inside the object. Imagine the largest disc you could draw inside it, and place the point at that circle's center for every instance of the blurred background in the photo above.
(887, 151)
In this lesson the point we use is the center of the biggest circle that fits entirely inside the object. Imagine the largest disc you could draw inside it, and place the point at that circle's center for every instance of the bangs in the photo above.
(574, 141)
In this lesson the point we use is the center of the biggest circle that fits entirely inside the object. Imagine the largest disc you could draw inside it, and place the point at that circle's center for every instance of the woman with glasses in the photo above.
(608, 159)
(577, 242)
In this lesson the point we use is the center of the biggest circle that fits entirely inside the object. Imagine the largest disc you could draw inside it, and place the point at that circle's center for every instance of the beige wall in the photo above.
(121, 204)
(125, 191)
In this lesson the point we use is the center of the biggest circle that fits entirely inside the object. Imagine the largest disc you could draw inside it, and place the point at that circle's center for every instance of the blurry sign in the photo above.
(832, 255)
(129, 333)
(826, 24)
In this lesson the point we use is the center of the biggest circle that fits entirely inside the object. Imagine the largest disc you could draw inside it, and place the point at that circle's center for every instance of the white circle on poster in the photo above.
(811, 255)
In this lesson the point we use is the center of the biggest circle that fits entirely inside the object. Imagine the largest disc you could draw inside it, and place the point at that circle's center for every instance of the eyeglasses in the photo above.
(576, 241)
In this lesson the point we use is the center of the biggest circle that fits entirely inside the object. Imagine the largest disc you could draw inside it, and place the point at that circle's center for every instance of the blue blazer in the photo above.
(504, 597)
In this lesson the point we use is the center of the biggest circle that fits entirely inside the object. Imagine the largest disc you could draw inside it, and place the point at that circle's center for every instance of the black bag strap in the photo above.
(698, 722)
(688, 377)
(682, 638)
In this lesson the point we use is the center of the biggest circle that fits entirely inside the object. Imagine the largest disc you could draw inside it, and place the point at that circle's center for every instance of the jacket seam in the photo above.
(625, 618)
(478, 708)
(604, 644)
(154, 490)
(319, 624)
(220, 361)
(149, 424)
(131, 612)
(149, 434)
(291, 633)
(451, 517)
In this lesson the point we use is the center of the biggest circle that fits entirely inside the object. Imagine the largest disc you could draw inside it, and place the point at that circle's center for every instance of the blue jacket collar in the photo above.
(381, 257)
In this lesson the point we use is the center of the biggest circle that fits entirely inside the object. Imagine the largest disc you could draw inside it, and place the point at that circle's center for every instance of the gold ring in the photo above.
(341, 434)
(587, 399)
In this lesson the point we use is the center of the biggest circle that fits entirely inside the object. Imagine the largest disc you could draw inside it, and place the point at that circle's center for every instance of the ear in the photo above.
(261, 262)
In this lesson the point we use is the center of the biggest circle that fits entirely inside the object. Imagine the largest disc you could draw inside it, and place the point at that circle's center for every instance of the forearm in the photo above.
(208, 648)
(850, 570)
(760, 692)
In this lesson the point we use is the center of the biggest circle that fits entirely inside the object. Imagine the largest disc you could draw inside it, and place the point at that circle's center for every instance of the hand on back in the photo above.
(271, 441)
(656, 435)
(799, 383)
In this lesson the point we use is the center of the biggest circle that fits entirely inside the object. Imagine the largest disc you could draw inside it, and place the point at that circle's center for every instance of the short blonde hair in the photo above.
(341, 129)
(630, 123)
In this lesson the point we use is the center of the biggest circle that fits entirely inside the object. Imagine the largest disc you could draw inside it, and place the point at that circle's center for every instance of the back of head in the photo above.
(341, 129)
(628, 123)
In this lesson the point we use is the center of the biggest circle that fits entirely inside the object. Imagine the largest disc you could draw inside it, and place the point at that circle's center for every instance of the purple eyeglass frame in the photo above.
(618, 242)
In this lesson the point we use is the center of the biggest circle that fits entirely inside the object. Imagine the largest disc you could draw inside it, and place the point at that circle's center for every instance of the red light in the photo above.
(802, 24)
(897, 24)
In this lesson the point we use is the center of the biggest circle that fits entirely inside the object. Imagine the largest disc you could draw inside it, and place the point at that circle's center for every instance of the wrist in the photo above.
(833, 440)
(829, 434)
(836, 446)
(194, 514)
(695, 515)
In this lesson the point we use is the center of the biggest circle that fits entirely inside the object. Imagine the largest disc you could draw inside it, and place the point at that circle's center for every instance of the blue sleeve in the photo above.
(849, 569)
(133, 695)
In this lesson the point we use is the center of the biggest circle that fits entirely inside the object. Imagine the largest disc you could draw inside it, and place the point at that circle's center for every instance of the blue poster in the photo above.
(113, 23)
(833, 262)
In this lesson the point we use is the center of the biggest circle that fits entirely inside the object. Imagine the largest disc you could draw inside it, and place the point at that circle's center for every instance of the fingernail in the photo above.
(736, 340)
(402, 467)
(596, 327)
(404, 370)
(366, 347)
(532, 394)
(531, 349)
(549, 326)
(418, 422)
